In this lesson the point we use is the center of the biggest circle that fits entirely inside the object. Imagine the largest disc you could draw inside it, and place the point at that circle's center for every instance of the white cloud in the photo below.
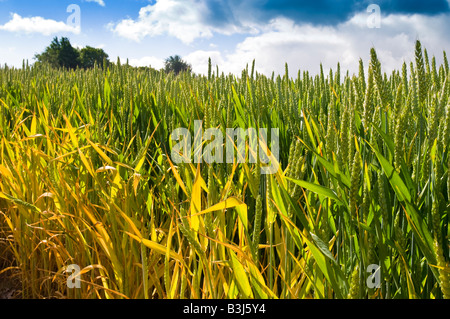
(302, 46)
(152, 61)
(81, 46)
(305, 46)
(37, 25)
(180, 19)
(199, 60)
(100, 2)
(77, 46)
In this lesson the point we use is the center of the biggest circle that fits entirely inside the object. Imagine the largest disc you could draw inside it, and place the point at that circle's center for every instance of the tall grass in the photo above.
(86, 178)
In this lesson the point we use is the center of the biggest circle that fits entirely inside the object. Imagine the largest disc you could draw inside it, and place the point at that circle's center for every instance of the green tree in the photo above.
(69, 57)
(90, 56)
(176, 65)
(60, 54)
(50, 55)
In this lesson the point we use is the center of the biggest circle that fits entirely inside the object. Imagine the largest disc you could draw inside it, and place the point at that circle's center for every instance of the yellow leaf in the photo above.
(86, 163)
(175, 281)
(71, 131)
(196, 201)
(227, 203)
(105, 242)
(259, 283)
(177, 177)
(139, 164)
(241, 276)
(5, 171)
(136, 179)
(101, 153)
(33, 126)
(202, 181)
(8, 221)
(229, 182)
(129, 220)
(156, 247)
(117, 185)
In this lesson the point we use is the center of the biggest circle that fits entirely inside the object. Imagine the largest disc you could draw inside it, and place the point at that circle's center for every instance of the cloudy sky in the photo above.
(233, 33)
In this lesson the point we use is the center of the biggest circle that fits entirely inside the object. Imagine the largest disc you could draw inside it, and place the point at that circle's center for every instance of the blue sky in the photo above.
(233, 33)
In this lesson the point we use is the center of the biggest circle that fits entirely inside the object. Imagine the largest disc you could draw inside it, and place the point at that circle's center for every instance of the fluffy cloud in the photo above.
(305, 46)
(188, 20)
(184, 20)
(152, 61)
(37, 25)
(166, 16)
(199, 60)
(301, 33)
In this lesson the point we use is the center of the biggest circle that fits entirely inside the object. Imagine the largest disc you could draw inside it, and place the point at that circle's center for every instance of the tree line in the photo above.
(61, 54)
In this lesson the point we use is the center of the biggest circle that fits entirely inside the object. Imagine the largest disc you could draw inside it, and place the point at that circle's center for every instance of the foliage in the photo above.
(90, 56)
(61, 54)
(176, 65)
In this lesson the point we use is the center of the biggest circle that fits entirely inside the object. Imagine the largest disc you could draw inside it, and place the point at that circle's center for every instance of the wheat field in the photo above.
(86, 178)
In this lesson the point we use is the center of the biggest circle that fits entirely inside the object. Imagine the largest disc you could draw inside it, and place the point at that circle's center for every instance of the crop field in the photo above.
(93, 203)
